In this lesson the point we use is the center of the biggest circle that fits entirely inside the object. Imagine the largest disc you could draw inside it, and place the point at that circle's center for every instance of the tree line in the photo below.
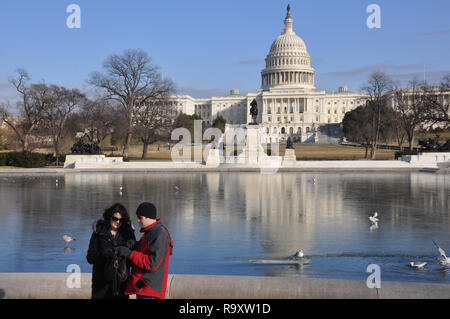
(392, 112)
(131, 101)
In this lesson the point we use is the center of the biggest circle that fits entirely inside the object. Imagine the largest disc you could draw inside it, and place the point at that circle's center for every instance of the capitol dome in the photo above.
(288, 62)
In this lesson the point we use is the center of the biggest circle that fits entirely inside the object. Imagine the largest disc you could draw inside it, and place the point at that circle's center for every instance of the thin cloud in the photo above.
(439, 32)
(202, 93)
(433, 77)
(378, 67)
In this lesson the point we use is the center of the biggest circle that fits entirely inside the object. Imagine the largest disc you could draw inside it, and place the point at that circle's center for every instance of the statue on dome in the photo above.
(254, 111)
(288, 11)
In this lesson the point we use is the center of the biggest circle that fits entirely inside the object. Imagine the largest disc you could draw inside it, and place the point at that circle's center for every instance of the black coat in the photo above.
(100, 254)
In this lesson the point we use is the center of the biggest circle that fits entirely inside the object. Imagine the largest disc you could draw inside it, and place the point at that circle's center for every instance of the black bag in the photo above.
(116, 270)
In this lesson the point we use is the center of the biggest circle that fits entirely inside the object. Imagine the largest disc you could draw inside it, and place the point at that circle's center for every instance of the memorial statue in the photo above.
(288, 11)
(254, 111)
(289, 144)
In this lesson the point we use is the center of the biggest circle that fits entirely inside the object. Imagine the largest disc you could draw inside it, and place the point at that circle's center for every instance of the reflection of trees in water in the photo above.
(400, 197)
(295, 212)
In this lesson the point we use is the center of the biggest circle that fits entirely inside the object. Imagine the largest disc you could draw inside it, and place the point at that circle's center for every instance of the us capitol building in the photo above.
(288, 102)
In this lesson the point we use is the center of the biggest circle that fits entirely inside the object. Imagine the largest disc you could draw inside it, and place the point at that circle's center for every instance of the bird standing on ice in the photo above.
(68, 239)
(374, 218)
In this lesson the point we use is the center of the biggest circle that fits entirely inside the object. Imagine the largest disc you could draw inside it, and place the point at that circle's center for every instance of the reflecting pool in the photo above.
(221, 223)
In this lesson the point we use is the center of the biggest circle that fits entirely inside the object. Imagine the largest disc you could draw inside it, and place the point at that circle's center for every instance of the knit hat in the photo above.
(146, 209)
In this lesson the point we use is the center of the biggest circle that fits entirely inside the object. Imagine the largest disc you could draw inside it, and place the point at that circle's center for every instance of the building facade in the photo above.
(288, 102)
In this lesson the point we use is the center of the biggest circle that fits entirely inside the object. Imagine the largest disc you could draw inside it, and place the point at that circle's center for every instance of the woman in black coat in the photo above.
(113, 230)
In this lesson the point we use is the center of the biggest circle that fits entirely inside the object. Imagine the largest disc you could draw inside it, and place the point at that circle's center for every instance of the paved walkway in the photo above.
(299, 166)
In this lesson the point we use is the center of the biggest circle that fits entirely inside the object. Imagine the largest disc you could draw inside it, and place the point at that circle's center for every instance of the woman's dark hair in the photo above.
(116, 208)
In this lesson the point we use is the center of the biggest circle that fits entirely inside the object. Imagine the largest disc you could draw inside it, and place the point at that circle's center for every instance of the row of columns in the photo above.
(288, 130)
(287, 77)
(299, 105)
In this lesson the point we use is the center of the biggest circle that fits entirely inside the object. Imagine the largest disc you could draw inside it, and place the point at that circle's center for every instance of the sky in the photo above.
(208, 47)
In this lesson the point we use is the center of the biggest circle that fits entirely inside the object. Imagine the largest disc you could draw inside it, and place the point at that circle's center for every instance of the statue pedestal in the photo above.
(213, 158)
(289, 157)
(253, 150)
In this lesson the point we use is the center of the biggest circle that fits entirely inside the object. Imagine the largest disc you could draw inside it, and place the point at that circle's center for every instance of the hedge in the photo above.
(28, 159)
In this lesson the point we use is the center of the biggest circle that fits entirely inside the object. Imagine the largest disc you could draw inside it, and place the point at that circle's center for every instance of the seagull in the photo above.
(68, 239)
(374, 226)
(299, 254)
(419, 265)
(444, 260)
(374, 218)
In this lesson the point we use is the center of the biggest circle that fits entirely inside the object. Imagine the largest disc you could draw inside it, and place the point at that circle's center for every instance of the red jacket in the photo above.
(150, 262)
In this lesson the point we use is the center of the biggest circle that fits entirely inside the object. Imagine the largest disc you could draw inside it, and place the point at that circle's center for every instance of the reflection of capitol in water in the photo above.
(286, 206)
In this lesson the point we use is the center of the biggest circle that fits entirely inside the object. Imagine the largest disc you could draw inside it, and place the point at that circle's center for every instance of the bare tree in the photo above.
(437, 100)
(131, 79)
(153, 121)
(62, 102)
(411, 109)
(33, 101)
(376, 90)
(96, 119)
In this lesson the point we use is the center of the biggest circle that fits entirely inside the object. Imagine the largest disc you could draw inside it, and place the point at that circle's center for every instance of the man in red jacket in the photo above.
(150, 259)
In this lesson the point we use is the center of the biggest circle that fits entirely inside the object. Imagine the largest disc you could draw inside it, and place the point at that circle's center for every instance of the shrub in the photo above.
(25, 159)
(3, 159)
(50, 159)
